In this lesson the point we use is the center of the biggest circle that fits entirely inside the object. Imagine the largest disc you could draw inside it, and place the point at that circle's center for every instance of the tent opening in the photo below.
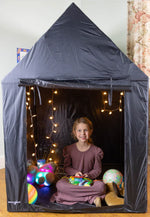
(50, 116)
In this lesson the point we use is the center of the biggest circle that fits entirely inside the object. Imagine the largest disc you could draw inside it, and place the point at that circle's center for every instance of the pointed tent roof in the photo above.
(74, 48)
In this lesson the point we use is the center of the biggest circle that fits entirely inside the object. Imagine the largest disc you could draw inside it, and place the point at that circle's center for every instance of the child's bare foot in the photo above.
(97, 202)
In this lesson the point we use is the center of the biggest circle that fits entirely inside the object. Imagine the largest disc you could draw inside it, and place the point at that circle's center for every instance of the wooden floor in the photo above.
(4, 213)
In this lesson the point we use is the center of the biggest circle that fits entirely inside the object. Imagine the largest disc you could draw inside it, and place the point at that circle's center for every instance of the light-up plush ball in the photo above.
(44, 178)
(31, 173)
(39, 178)
(113, 175)
(30, 178)
(32, 169)
(32, 194)
(50, 177)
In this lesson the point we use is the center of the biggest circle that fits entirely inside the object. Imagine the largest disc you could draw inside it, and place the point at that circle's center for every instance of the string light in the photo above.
(47, 137)
(49, 101)
(55, 92)
(105, 105)
(33, 116)
(110, 112)
(54, 125)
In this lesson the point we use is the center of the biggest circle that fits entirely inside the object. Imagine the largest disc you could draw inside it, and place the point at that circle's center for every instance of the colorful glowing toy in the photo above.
(30, 178)
(32, 194)
(81, 181)
(31, 172)
(113, 175)
(45, 175)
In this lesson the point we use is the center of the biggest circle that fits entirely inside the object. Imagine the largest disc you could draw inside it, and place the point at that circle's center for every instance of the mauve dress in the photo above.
(86, 162)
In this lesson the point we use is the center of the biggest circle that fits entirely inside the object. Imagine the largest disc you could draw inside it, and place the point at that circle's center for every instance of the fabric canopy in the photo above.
(75, 54)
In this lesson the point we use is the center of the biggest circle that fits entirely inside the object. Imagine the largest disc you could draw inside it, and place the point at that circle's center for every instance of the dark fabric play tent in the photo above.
(75, 54)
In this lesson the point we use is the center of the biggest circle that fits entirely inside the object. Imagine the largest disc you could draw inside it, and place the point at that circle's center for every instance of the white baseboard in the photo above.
(2, 162)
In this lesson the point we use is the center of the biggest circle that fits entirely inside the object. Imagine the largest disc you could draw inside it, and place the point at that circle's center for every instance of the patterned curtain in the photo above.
(139, 33)
(139, 38)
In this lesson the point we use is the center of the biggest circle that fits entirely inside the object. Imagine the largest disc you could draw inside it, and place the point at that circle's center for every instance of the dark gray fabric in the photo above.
(74, 53)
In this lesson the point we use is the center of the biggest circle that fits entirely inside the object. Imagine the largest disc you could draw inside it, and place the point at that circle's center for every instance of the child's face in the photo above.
(82, 132)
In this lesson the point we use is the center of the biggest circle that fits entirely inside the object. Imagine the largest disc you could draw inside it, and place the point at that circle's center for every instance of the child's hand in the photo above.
(78, 174)
(85, 175)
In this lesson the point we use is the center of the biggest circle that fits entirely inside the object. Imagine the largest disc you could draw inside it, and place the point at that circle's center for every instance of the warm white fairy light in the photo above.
(110, 112)
(28, 93)
(54, 125)
(105, 101)
(31, 131)
(47, 137)
(33, 116)
(55, 92)
(50, 101)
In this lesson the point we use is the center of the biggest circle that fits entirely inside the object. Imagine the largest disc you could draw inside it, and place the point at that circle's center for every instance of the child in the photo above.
(81, 159)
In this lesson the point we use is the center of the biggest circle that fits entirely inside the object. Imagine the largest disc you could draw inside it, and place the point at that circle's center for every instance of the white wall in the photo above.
(23, 22)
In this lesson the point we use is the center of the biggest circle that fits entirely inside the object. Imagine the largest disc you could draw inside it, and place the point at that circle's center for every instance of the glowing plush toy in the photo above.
(113, 175)
(45, 175)
(81, 181)
(31, 172)
(32, 194)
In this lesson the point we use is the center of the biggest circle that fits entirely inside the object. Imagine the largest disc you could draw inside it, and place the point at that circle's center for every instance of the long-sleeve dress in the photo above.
(88, 162)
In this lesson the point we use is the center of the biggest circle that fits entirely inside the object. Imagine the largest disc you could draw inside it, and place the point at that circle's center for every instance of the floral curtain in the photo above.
(139, 33)
(139, 38)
